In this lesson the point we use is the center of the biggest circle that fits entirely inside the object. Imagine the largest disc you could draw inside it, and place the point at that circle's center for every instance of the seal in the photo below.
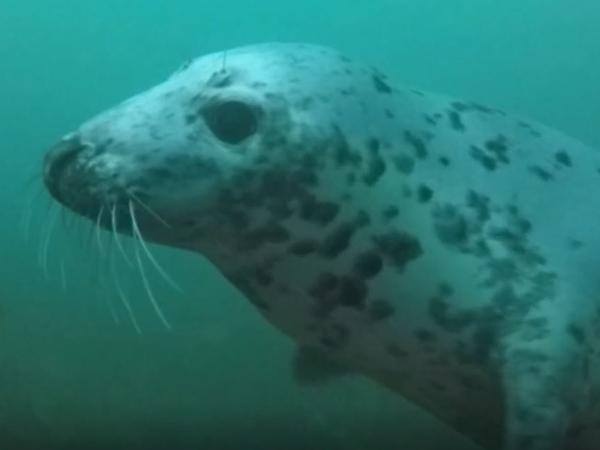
(443, 248)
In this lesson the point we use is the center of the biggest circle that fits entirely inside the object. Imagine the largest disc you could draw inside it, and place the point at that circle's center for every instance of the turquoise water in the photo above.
(73, 374)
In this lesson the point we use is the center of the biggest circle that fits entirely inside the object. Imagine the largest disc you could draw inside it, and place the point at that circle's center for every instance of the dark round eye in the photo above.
(231, 121)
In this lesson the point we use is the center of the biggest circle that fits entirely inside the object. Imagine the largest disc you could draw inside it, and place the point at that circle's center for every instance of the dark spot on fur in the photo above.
(404, 164)
(564, 159)
(373, 145)
(445, 289)
(376, 165)
(459, 106)
(440, 312)
(486, 161)
(425, 336)
(498, 147)
(304, 247)
(399, 247)
(431, 120)
(450, 226)
(318, 212)
(417, 143)
(456, 121)
(343, 154)
(368, 264)
(353, 292)
(529, 128)
(391, 212)
(338, 240)
(424, 193)
(444, 161)
(381, 86)
(380, 310)
(575, 244)
(480, 203)
(332, 292)
(576, 333)
(335, 337)
(542, 174)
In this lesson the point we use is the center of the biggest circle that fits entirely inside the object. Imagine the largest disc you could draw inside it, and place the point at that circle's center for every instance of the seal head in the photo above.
(202, 149)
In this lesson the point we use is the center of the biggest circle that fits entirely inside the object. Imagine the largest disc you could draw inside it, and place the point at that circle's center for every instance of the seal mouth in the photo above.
(67, 181)
(70, 182)
(58, 161)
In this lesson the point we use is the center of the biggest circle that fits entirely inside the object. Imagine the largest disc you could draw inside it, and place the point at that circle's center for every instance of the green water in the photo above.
(74, 376)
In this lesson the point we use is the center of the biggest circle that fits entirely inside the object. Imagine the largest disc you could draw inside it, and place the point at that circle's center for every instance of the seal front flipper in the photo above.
(312, 366)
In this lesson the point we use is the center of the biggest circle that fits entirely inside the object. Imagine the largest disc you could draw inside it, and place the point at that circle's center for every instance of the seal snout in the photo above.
(58, 159)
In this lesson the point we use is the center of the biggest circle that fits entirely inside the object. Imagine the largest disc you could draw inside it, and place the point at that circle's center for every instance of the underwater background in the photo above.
(75, 373)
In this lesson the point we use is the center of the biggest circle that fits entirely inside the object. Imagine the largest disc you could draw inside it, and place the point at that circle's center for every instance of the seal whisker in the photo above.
(43, 254)
(43, 229)
(124, 300)
(112, 310)
(145, 282)
(137, 233)
(98, 230)
(91, 231)
(148, 209)
(113, 220)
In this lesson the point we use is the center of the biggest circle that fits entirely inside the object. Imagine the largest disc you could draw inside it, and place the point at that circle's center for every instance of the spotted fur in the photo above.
(446, 249)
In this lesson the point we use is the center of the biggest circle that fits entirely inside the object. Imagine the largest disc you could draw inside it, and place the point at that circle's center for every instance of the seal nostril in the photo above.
(58, 159)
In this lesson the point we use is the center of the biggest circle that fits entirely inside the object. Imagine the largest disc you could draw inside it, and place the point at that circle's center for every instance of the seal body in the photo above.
(443, 248)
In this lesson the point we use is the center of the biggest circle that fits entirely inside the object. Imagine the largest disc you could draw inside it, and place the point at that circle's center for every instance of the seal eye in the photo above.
(231, 121)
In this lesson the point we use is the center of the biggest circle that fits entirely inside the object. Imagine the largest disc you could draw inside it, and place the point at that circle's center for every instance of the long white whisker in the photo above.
(153, 301)
(149, 210)
(111, 308)
(125, 301)
(113, 219)
(98, 230)
(90, 236)
(140, 238)
(43, 256)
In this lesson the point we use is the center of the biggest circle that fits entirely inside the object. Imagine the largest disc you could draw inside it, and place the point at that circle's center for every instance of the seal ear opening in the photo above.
(231, 121)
